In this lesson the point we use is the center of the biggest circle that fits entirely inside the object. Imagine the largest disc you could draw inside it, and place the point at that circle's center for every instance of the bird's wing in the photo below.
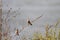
(37, 18)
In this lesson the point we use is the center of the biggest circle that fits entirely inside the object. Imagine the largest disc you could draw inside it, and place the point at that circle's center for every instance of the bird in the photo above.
(29, 22)
(17, 32)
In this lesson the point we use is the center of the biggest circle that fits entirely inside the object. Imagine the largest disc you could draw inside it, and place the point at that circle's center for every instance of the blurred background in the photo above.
(20, 10)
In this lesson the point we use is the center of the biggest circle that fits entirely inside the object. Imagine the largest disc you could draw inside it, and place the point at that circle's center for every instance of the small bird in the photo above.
(29, 22)
(17, 32)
